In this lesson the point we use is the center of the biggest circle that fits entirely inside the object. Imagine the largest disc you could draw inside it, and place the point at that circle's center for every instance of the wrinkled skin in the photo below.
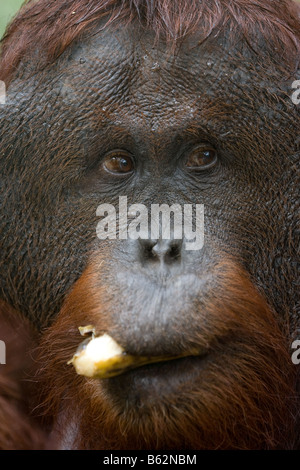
(117, 91)
(155, 106)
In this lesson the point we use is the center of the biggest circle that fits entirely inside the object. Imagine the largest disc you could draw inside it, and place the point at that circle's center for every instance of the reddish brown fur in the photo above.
(247, 395)
(55, 25)
(17, 429)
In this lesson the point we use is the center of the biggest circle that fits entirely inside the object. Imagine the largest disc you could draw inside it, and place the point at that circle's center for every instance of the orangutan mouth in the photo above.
(102, 357)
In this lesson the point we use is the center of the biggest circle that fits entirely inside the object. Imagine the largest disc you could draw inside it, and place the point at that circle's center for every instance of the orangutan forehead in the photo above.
(119, 73)
(125, 68)
(131, 57)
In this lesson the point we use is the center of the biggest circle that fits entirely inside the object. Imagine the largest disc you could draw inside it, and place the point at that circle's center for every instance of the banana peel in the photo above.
(102, 357)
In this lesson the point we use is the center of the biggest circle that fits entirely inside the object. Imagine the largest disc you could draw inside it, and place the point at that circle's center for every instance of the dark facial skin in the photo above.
(116, 91)
(110, 93)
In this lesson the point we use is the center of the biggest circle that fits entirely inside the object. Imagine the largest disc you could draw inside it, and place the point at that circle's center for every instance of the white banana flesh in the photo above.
(102, 357)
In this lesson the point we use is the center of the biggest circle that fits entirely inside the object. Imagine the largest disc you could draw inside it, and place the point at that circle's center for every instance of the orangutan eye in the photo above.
(118, 161)
(202, 157)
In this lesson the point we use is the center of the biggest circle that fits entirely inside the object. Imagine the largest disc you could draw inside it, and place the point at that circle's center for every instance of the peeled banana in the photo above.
(102, 357)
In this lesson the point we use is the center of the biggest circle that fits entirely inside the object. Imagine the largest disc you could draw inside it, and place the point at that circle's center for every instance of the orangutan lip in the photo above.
(101, 357)
(151, 385)
(148, 383)
(120, 363)
(144, 362)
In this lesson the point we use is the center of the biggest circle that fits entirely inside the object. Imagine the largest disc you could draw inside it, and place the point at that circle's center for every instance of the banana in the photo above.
(102, 357)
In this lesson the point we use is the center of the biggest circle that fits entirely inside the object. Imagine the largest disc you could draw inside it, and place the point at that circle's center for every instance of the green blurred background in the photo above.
(7, 10)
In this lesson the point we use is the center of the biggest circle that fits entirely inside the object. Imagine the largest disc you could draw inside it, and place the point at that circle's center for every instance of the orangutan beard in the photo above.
(239, 394)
